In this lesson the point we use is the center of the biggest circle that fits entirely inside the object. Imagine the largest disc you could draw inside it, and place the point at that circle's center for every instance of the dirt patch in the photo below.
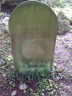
(63, 52)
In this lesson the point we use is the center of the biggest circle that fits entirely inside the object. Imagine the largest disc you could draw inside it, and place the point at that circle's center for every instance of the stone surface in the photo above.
(33, 29)
(63, 22)
(23, 87)
(13, 93)
(55, 2)
(64, 25)
(62, 16)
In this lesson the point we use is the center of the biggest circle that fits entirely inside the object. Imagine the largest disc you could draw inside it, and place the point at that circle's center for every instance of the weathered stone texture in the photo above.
(63, 22)
(33, 28)
(64, 25)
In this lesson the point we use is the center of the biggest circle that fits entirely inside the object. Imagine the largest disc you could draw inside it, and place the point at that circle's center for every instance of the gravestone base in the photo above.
(32, 66)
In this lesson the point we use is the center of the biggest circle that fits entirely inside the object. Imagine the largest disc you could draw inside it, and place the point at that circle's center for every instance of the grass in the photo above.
(43, 83)
(39, 83)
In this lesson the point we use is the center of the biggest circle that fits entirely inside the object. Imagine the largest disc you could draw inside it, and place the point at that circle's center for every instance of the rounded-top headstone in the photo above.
(33, 29)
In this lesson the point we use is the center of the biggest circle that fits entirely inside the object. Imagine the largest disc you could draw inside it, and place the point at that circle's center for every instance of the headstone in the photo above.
(33, 29)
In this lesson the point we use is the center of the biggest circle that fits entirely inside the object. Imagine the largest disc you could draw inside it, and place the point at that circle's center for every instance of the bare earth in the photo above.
(63, 52)
(63, 60)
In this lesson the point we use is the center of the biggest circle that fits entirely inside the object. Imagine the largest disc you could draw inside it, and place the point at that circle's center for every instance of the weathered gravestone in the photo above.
(33, 28)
